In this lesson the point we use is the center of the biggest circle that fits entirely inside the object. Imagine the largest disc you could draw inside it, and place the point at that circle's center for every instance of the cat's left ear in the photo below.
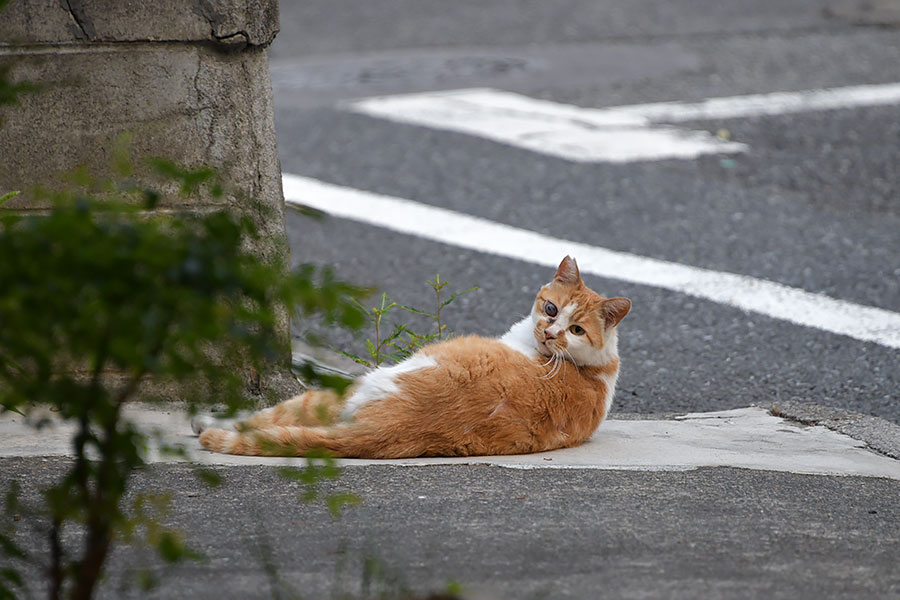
(614, 310)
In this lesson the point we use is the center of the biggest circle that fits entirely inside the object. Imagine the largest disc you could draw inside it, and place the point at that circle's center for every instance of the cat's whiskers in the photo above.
(557, 365)
(553, 359)
(558, 356)
(564, 361)
(571, 358)
(548, 373)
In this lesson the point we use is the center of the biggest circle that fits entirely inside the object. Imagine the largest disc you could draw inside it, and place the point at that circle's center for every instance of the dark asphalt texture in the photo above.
(312, 27)
(813, 204)
(710, 533)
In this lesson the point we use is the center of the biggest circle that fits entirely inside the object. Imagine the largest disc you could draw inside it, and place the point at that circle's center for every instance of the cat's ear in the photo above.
(567, 272)
(614, 310)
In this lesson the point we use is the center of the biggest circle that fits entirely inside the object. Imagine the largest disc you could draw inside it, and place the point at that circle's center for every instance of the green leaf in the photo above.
(9, 548)
(146, 580)
(9, 91)
(417, 311)
(292, 473)
(337, 502)
(209, 477)
(121, 156)
(457, 295)
(12, 576)
(7, 197)
(313, 376)
(354, 357)
(436, 283)
(171, 549)
(308, 211)
(454, 588)
(191, 179)
(5, 408)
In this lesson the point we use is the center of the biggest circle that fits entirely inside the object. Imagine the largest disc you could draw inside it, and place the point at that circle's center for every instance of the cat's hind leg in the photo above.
(281, 440)
(356, 439)
(312, 408)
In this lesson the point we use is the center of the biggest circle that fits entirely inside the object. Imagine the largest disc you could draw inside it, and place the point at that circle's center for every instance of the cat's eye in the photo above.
(576, 329)
(550, 309)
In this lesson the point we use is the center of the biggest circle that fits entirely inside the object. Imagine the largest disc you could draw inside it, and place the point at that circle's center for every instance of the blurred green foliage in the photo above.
(320, 466)
(102, 284)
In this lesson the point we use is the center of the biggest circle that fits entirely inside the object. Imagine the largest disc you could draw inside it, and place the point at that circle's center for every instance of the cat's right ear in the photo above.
(614, 310)
(567, 272)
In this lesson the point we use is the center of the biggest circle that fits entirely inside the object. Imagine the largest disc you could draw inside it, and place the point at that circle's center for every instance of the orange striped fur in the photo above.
(546, 384)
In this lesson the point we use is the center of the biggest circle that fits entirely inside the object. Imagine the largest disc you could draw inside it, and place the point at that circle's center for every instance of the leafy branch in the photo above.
(403, 341)
(99, 286)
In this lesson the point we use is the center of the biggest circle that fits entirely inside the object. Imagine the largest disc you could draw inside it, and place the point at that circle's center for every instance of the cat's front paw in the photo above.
(200, 423)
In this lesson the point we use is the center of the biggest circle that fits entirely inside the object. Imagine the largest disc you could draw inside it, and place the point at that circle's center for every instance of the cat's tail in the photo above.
(294, 440)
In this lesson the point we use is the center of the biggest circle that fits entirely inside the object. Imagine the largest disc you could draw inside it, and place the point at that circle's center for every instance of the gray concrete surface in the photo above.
(632, 513)
(749, 438)
(513, 534)
(168, 81)
(226, 22)
(813, 205)
(188, 82)
(878, 434)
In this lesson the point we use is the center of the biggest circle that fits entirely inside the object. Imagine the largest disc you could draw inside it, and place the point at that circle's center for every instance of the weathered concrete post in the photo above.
(189, 79)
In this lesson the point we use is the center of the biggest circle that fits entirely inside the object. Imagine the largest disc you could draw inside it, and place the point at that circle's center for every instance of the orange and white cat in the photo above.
(547, 383)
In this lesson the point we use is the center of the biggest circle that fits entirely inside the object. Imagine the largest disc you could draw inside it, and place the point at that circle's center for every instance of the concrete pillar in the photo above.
(189, 79)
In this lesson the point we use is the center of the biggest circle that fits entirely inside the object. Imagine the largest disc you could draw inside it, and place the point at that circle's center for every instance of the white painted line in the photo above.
(768, 298)
(748, 438)
(616, 134)
(564, 131)
(762, 105)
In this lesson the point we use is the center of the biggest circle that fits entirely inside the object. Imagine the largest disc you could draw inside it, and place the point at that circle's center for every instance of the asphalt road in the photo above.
(813, 204)
(579, 534)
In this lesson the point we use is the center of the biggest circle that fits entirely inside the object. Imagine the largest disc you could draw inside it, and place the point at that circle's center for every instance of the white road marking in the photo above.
(760, 296)
(617, 134)
(762, 105)
(564, 131)
(748, 438)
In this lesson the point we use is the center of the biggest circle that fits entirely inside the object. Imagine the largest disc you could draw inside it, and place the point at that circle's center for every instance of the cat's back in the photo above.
(482, 356)
(473, 368)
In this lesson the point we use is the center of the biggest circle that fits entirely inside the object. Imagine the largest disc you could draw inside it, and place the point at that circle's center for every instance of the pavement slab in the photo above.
(748, 438)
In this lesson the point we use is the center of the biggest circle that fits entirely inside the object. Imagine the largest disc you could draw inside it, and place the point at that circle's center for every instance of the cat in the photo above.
(546, 384)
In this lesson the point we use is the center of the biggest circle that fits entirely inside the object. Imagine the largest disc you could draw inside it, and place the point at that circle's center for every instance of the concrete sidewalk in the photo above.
(748, 438)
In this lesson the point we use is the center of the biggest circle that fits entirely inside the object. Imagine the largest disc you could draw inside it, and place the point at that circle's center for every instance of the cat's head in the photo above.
(575, 322)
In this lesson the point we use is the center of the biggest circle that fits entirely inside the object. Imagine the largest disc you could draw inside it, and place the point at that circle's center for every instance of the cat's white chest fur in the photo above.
(520, 337)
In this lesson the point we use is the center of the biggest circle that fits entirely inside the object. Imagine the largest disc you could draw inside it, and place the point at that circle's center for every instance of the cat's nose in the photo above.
(549, 335)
